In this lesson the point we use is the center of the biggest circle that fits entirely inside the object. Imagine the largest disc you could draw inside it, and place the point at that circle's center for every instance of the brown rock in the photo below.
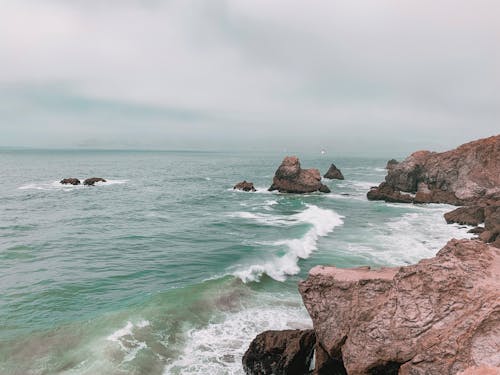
(70, 181)
(468, 215)
(384, 192)
(245, 186)
(476, 230)
(280, 352)
(291, 178)
(93, 180)
(440, 316)
(467, 173)
(334, 173)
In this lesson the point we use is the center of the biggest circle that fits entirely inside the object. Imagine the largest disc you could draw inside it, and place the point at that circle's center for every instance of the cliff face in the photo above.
(440, 316)
(467, 173)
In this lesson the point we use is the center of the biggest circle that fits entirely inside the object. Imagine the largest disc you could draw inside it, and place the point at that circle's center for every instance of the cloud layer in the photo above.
(346, 75)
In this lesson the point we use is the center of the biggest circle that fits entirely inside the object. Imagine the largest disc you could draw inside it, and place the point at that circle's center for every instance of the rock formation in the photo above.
(391, 164)
(245, 186)
(280, 352)
(440, 316)
(291, 178)
(334, 173)
(93, 180)
(70, 181)
(465, 174)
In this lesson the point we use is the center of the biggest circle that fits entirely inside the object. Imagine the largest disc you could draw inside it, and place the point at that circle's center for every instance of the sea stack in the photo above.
(334, 173)
(291, 178)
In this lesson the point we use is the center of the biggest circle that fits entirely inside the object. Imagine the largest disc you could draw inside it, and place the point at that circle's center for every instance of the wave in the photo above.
(127, 341)
(218, 347)
(56, 185)
(322, 222)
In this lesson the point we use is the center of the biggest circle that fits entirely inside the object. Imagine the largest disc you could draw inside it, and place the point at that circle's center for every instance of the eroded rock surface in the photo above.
(245, 186)
(291, 178)
(467, 173)
(440, 316)
(280, 352)
(334, 173)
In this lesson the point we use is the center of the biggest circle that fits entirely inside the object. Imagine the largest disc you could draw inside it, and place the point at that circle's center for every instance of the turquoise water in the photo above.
(165, 269)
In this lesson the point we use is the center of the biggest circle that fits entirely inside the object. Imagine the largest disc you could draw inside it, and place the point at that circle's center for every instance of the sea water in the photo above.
(164, 268)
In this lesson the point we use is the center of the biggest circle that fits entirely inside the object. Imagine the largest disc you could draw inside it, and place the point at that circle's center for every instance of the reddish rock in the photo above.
(245, 186)
(467, 173)
(482, 370)
(280, 352)
(291, 178)
(334, 173)
(387, 193)
(70, 181)
(93, 180)
(440, 316)
(468, 215)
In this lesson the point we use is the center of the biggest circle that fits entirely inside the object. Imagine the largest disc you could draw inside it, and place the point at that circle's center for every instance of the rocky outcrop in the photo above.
(441, 316)
(468, 215)
(70, 181)
(391, 164)
(91, 181)
(280, 352)
(465, 174)
(291, 178)
(387, 193)
(245, 186)
(334, 173)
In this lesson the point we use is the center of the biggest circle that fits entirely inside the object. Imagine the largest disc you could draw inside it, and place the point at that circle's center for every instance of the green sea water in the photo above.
(164, 269)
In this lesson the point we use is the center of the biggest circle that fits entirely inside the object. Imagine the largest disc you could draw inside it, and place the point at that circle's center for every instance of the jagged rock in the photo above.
(334, 173)
(476, 230)
(467, 173)
(468, 215)
(440, 316)
(280, 352)
(70, 181)
(93, 180)
(291, 178)
(245, 186)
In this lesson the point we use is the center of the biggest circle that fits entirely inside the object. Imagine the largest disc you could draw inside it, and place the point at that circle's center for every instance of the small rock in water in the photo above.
(93, 180)
(245, 186)
(334, 173)
(70, 181)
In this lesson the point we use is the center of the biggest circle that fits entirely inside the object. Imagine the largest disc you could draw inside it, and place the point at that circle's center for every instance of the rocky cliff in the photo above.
(465, 174)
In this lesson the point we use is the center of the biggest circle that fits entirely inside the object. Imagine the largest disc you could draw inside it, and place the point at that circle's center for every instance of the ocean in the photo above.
(165, 269)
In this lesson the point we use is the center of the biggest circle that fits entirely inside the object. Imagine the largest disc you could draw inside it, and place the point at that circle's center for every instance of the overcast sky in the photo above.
(347, 76)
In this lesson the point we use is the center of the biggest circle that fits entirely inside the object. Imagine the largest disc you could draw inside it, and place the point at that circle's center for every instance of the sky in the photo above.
(348, 76)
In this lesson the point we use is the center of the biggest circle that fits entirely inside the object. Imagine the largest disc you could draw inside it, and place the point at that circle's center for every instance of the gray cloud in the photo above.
(346, 75)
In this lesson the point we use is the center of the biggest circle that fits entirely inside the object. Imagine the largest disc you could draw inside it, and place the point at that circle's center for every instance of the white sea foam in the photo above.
(266, 219)
(126, 340)
(56, 185)
(323, 221)
(218, 347)
(410, 237)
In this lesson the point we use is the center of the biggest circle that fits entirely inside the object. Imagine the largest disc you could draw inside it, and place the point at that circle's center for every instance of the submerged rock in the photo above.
(70, 181)
(467, 173)
(280, 352)
(291, 178)
(245, 186)
(93, 180)
(334, 173)
(440, 316)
